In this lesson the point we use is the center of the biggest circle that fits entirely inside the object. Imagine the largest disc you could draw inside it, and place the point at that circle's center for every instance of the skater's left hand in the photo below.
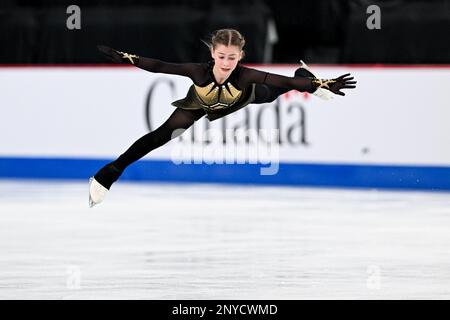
(335, 85)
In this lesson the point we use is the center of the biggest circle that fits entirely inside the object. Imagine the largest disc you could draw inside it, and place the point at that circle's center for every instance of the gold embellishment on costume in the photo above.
(208, 95)
(230, 94)
(320, 83)
(213, 97)
(128, 56)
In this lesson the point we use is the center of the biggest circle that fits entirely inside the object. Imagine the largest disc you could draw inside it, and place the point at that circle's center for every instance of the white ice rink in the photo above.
(167, 241)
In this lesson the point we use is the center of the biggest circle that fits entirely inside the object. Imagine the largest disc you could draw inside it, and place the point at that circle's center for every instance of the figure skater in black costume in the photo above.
(220, 87)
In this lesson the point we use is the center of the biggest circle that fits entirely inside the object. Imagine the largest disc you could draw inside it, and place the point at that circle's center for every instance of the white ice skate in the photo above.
(323, 94)
(97, 192)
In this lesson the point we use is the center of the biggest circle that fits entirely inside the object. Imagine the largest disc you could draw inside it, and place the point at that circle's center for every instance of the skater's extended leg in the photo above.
(174, 126)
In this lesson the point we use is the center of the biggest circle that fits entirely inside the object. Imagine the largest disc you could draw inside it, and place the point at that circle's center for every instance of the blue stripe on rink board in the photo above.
(292, 174)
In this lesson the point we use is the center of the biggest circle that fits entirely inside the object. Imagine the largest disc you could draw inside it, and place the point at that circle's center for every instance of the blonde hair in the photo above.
(227, 37)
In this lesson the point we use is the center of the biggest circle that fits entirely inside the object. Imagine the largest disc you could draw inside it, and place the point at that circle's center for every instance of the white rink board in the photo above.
(395, 116)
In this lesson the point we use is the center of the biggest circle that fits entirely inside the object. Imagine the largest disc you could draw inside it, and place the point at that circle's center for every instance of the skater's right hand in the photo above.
(118, 56)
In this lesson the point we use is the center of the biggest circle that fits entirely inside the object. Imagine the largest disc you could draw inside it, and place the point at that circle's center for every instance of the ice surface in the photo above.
(169, 241)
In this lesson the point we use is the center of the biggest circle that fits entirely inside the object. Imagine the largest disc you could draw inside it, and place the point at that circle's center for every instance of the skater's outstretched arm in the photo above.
(191, 70)
(250, 75)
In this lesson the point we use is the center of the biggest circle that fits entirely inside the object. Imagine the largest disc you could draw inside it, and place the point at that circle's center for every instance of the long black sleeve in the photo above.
(249, 75)
(195, 71)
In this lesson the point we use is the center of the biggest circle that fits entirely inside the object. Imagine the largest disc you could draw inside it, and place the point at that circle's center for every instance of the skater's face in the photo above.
(226, 58)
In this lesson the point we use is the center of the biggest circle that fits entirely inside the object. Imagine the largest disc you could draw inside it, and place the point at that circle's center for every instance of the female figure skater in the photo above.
(220, 87)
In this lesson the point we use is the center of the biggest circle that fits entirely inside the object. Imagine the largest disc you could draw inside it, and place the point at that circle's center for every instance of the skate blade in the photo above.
(303, 65)
(91, 202)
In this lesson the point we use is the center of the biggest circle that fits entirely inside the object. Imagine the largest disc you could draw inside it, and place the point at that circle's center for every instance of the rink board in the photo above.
(320, 175)
(65, 122)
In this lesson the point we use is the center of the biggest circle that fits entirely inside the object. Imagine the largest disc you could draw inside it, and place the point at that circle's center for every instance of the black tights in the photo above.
(174, 126)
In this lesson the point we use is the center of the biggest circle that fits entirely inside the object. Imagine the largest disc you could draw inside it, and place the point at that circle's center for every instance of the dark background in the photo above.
(317, 31)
